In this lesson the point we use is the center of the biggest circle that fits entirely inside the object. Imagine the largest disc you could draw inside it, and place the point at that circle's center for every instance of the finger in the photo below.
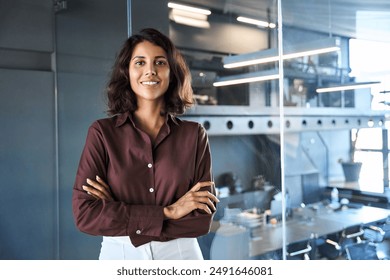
(207, 194)
(204, 207)
(100, 180)
(93, 192)
(94, 196)
(200, 185)
(107, 190)
(98, 186)
(203, 197)
(97, 190)
(206, 200)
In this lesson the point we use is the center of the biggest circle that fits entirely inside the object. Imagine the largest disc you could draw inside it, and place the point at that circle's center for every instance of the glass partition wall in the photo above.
(238, 105)
(337, 134)
(288, 120)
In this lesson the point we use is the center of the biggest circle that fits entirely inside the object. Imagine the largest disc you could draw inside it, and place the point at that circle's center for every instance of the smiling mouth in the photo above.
(150, 83)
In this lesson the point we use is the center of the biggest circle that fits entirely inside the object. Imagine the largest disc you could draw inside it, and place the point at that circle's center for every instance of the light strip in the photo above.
(346, 87)
(182, 13)
(312, 52)
(271, 55)
(256, 22)
(247, 78)
(190, 21)
(189, 8)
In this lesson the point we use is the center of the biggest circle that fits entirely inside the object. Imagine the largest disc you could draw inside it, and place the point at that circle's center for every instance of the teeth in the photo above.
(149, 83)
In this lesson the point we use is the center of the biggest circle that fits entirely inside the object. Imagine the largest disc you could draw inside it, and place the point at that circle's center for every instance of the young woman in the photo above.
(144, 180)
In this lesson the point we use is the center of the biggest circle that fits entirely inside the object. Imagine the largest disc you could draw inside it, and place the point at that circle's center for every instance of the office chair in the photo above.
(361, 251)
(355, 243)
(333, 245)
(383, 248)
(299, 251)
(305, 250)
(386, 227)
(366, 249)
(375, 236)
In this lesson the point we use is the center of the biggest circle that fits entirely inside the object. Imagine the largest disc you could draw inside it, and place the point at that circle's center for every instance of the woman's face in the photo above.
(149, 72)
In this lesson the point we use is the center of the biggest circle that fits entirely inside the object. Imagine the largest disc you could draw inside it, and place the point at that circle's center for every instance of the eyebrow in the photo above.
(141, 56)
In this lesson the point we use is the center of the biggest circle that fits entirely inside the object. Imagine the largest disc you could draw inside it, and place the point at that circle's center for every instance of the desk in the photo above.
(310, 222)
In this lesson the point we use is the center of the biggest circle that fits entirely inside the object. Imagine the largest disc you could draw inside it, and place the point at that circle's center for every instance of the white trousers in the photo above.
(120, 248)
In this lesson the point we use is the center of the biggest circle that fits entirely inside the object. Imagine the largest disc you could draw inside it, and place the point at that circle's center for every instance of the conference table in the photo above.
(312, 222)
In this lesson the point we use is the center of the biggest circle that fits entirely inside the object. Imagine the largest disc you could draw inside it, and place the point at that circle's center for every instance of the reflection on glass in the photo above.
(299, 215)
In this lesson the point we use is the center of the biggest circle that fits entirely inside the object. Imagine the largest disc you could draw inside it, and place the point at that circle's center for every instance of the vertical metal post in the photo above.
(268, 84)
(281, 127)
(129, 25)
(385, 154)
(58, 6)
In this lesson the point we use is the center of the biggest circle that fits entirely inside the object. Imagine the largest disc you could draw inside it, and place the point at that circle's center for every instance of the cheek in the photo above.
(167, 76)
(133, 78)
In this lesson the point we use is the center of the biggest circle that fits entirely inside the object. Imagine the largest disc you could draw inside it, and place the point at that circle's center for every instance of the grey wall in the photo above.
(28, 217)
(28, 209)
(52, 67)
(89, 34)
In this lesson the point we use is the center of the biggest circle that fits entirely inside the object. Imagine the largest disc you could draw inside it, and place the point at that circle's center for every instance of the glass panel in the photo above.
(88, 36)
(206, 49)
(368, 138)
(333, 175)
(371, 174)
(246, 157)
(317, 120)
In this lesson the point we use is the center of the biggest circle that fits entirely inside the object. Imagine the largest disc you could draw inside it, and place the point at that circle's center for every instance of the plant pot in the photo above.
(351, 171)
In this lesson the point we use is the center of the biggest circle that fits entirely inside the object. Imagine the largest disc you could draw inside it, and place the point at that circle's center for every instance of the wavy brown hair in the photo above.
(179, 95)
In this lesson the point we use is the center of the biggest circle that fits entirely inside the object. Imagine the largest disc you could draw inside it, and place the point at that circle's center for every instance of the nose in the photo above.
(151, 71)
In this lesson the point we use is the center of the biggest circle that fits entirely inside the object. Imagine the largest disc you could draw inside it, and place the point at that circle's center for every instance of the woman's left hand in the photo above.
(194, 199)
(98, 189)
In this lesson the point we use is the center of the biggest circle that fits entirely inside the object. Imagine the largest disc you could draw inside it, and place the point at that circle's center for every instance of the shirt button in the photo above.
(149, 165)
(138, 231)
(151, 190)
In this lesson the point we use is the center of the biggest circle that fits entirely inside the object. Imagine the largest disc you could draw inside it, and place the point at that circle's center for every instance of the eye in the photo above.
(161, 62)
(139, 62)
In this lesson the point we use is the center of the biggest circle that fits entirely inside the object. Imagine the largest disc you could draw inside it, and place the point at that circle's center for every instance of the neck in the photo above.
(149, 120)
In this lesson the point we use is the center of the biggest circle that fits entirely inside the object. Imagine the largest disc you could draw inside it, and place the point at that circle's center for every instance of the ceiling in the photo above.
(365, 19)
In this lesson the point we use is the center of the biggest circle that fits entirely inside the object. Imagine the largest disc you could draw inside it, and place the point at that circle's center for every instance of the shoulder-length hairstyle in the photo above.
(121, 97)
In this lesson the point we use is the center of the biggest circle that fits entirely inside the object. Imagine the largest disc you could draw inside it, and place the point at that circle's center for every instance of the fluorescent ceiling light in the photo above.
(291, 51)
(247, 78)
(190, 21)
(189, 8)
(256, 22)
(187, 14)
(349, 86)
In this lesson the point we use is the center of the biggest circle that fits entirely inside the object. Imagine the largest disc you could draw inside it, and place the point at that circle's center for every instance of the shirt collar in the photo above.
(122, 118)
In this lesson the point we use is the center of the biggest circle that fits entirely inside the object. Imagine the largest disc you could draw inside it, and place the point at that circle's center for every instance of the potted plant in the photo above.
(351, 168)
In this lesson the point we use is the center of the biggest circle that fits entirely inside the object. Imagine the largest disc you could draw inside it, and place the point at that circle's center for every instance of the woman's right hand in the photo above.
(98, 189)
(194, 199)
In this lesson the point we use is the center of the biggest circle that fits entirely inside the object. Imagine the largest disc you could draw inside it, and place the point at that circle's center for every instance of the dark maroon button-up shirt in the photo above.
(144, 178)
